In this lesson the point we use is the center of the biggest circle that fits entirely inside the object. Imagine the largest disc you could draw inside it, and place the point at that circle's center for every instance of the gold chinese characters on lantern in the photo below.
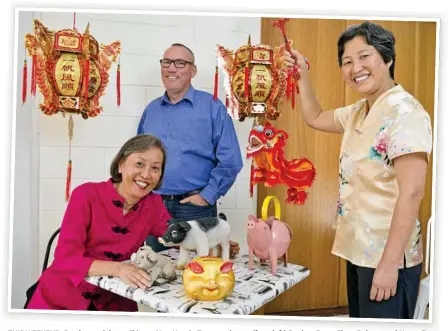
(255, 81)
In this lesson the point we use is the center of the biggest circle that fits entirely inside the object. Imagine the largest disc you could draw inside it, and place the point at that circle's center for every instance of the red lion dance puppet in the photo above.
(266, 146)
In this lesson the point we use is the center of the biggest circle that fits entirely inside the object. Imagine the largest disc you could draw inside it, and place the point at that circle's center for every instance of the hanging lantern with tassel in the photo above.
(255, 80)
(71, 71)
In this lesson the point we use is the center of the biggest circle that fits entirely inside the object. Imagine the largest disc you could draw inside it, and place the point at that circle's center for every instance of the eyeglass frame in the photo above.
(174, 61)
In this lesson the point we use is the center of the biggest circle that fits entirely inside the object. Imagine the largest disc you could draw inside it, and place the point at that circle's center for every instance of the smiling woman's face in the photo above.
(363, 67)
(141, 172)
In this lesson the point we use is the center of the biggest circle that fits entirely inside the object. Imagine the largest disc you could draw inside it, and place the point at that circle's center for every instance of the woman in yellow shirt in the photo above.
(387, 140)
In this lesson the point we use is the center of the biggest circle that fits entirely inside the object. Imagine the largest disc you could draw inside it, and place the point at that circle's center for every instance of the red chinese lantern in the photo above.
(254, 80)
(71, 71)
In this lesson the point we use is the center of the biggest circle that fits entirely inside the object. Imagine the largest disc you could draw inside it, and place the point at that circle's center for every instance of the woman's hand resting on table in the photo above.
(133, 276)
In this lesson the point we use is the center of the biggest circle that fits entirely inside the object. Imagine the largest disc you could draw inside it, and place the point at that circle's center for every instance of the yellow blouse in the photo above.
(396, 125)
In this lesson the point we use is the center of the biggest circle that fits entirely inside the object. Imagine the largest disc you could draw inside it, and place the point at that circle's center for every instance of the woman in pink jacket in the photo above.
(103, 225)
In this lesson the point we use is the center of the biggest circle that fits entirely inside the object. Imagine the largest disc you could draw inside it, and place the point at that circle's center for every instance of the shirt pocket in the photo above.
(194, 131)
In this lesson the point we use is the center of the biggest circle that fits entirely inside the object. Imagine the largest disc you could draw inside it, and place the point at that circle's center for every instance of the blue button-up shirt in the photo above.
(202, 146)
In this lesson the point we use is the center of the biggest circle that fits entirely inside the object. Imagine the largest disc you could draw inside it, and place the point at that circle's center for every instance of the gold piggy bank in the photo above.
(208, 278)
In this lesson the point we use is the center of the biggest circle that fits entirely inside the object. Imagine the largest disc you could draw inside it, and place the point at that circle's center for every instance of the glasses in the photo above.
(166, 63)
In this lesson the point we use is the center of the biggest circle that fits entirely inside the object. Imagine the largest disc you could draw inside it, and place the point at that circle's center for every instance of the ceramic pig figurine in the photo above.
(268, 240)
(200, 235)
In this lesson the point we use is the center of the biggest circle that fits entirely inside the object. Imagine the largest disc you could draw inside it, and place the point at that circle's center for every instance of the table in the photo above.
(253, 288)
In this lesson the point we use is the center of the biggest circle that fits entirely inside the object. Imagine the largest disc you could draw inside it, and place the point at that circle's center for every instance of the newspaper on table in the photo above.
(253, 288)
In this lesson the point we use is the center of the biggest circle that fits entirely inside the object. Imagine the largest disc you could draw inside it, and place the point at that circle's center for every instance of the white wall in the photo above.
(25, 239)
(96, 140)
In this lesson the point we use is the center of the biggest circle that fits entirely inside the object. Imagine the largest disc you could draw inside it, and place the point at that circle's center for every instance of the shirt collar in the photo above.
(115, 198)
(188, 96)
(362, 104)
(112, 195)
(386, 94)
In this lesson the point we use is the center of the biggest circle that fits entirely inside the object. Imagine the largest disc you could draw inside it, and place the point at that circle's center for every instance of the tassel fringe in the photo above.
(33, 75)
(215, 90)
(118, 85)
(25, 82)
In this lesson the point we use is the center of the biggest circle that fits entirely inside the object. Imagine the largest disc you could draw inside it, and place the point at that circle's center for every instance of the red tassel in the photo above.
(86, 79)
(246, 82)
(289, 85)
(215, 92)
(69, 180)
(69, 167)
(33, 75)
(227, 101)
(251, 189)
(25, 82)
(118, 86)
(293, 93)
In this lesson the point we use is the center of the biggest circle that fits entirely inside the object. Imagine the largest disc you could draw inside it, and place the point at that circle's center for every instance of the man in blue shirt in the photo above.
(203, 153)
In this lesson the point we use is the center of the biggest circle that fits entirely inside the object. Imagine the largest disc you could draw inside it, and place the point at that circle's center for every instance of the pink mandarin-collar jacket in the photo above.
(94, 228)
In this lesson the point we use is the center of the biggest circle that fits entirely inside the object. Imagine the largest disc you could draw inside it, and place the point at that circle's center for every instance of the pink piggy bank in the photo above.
(268, 240)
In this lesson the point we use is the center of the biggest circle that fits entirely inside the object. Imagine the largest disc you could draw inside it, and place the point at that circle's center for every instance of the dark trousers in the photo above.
(182, 212)
(400, 306)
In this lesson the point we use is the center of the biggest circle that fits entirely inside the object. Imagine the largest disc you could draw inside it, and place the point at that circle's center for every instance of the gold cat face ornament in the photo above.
(208, 278)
